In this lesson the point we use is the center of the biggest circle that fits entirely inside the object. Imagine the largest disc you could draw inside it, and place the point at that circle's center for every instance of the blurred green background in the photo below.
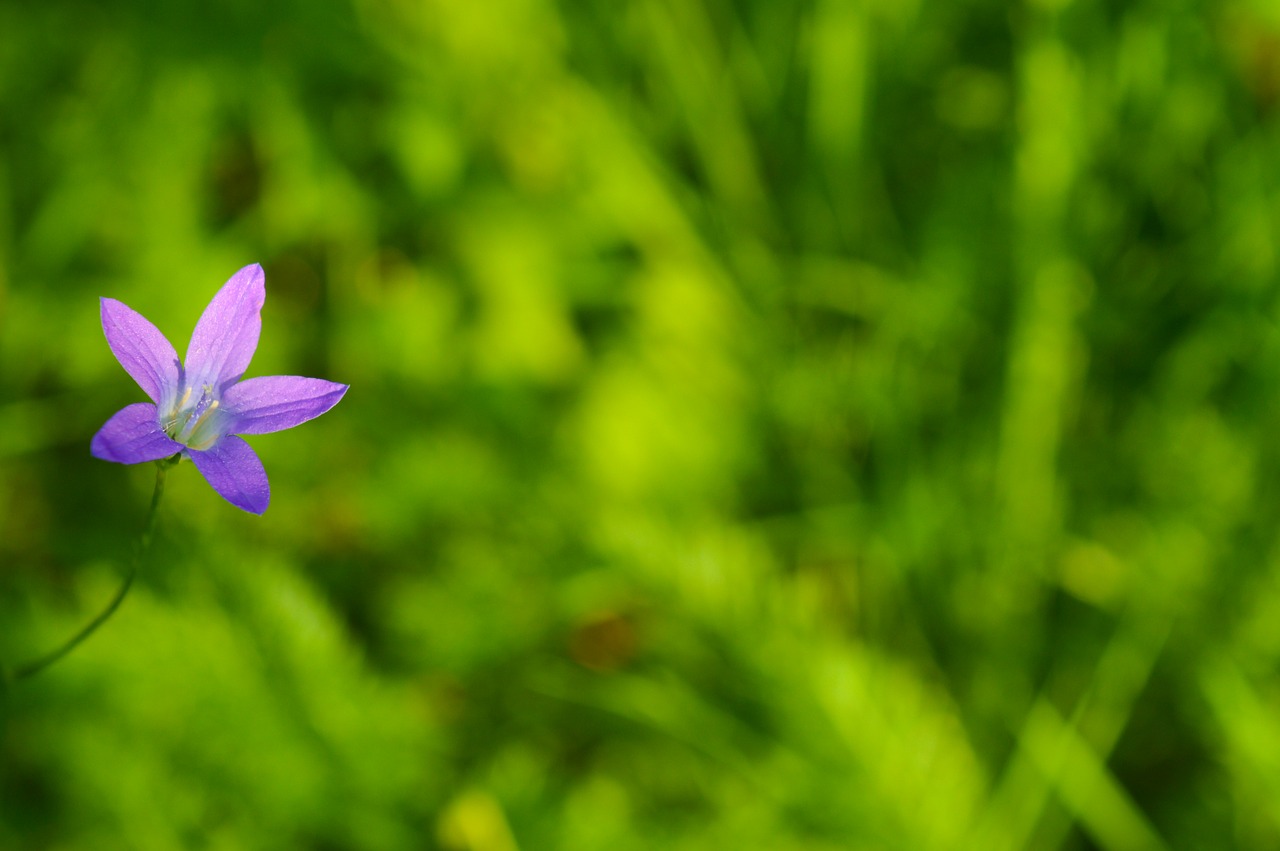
(773, 425)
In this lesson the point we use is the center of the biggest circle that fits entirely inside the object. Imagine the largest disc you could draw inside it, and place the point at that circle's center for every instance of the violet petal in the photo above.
(234, 471)
(276, 402)
(142, 350)
(132, 436)
(226, 336)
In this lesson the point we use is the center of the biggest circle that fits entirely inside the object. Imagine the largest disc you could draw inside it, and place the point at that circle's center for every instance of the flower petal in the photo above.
(235, 472)
(141, 349)
(276, 402)
(133, 436)
(226, 336)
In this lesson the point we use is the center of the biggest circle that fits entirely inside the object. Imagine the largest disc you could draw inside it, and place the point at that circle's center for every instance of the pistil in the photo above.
(195, 425)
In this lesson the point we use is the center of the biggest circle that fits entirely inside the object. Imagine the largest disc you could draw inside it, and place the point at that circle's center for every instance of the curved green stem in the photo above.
(35, 666)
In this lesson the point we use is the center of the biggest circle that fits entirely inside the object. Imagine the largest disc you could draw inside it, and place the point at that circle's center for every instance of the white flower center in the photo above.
(195, 422)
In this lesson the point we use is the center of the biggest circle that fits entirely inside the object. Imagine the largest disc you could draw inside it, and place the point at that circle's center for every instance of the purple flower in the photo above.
(197, 409)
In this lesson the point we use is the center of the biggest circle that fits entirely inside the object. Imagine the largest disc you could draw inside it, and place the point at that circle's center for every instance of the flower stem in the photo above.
(35, 666)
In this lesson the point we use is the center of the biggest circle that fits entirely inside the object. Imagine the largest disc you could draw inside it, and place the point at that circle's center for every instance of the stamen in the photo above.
(196, 419)
(213, 406)
(176, 412)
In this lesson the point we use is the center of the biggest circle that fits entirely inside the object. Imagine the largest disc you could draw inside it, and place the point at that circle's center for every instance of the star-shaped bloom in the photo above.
(198, 407)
